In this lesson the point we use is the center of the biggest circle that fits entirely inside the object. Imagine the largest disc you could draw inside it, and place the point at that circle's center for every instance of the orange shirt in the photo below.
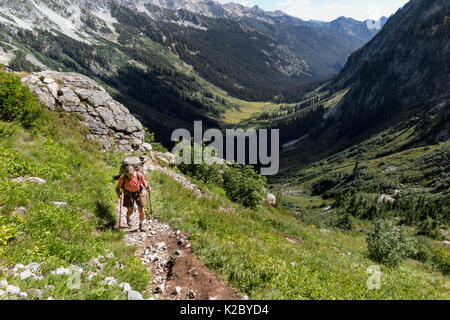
(133, 184)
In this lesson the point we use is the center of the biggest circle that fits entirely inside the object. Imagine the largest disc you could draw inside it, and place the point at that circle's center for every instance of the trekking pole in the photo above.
(120, 211)
(150, 200)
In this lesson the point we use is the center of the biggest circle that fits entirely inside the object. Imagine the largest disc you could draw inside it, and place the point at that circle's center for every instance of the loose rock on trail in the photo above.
(177, 274)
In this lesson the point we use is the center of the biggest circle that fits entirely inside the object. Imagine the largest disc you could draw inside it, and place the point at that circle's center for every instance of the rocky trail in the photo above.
(177, 274)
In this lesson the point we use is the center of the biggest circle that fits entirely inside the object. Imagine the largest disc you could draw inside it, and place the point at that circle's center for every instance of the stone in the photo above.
(91, 275)
(244, 297)
(326, 209)
(4, 284)
(159, 289)
(33, 266)
(125, 286)
(147, 146)
(59, 203)
(191, 270)
(109, 121)
(385, 197)
(134, 295)
(191, 294)
(99, 98)
(177, 290)
(110, 281)
(53, 89)
(38, 293)
(20, 211)
(93, 261)
(161, 245)
(48, 80)
(36, 180)
(270, 200)
(109, 255)
(18, 267)
(26, 274)
(23, 294)
(12, 289)
(178, 252)
(29, 179)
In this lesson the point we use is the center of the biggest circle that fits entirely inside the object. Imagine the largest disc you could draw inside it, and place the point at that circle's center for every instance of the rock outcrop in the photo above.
(110, 123)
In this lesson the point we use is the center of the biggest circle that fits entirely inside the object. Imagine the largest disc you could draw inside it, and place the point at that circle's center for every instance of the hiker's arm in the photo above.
(118, 186)
(146, 186)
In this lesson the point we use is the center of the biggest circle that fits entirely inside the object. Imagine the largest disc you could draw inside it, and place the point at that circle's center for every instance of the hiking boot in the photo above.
(129, 221)
(141, 226)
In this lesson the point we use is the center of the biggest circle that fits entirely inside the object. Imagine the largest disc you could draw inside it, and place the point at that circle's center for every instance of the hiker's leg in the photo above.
(129, 211)
(141, 206)
(142, 213)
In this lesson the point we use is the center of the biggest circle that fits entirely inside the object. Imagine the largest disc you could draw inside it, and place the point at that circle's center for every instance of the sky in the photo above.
(327, 10)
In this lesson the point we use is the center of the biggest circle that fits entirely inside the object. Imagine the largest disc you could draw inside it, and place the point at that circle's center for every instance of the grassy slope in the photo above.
(248, 248)
(77, 173)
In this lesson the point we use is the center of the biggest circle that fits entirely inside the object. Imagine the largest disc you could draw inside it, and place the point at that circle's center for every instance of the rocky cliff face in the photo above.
(109, 121)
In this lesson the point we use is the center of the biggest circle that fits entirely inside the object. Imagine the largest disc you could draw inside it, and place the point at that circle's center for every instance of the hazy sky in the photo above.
(327, 10)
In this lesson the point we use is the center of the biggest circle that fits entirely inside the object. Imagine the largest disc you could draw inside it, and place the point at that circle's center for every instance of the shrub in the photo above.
(330, 181)
(423, 249)
(7, 231)
(441, 260)
(387, 243)
(344, 222)
(243, 185)
(430, 228)
(16, 101)
(208, 173)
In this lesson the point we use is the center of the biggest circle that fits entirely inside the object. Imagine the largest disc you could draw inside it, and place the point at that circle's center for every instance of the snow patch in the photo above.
(189, 24)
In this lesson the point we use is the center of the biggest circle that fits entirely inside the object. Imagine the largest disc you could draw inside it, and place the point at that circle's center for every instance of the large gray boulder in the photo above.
(110, 123)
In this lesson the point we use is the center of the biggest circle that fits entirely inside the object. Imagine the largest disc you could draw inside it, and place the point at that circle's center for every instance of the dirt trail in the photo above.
(177, 274)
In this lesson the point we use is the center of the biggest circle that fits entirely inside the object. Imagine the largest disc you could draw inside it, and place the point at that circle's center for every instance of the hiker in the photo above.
(133, 184)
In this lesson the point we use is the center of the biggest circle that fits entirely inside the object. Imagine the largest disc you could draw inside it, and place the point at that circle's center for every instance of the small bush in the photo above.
(387, 243)
(441, 260)
(344, 222)
(243, 185)
(423, 249)
(430, 228)
(16, 101)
